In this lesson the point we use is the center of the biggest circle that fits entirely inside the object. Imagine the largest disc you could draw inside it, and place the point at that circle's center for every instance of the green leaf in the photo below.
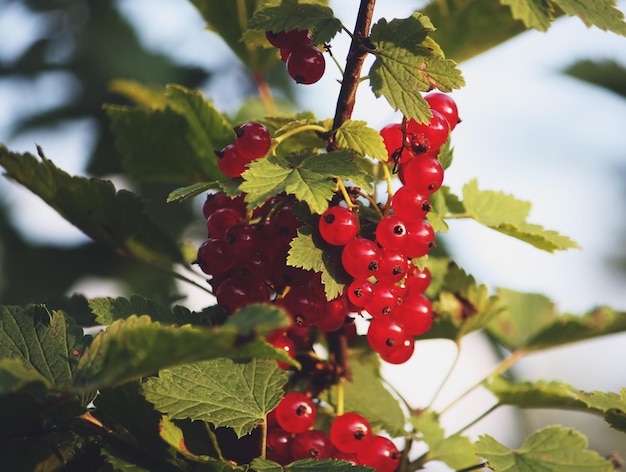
(364, 393)
(228, 20)
(406, 65)
(109, 309)
(356, 135)
(311, 179)
(533, 13)
(462, 306)
(118, 219)
(39, 351)
(183, 193)
(558, 395)
(601, 13)
(456, 451)
(308, 465)
(531, 322)
(307, 250)
(220, 391)
(175, 143)
(439, 209)
(137, 346)
(551, 449)
(288, 15)
(506, 214)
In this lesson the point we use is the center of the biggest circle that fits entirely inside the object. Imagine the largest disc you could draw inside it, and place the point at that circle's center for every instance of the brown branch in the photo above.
(354, 63)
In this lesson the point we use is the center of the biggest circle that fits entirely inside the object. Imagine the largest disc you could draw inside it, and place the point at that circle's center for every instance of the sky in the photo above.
(527, 129)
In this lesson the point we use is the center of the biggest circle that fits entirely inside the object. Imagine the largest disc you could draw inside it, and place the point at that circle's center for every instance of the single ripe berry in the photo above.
(304, 305)
(296, 413)
(312, 444)
(215, 257)
(306, 64)
(361, 258)
(280, 340)
(417, 281)
(428, 137)
(385, 300)
(392, 137)
(348, 431)
(424, 174)
(445, 105)
(385, 335)
(230, 162)
(420, 238)
(338, 225)
(416, 315)
(379, 453)
(252, 140)
(393, 266)
(360, 292)
(391, 232)
(334, 314)
(278, 446)
(410, 204)
(220, 220)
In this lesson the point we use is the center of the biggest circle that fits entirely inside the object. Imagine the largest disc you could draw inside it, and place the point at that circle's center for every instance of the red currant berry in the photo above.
(215, 257)
(385, 301)
(416, 314)
(334, 315)
(348, 431)
(361, 258)
(242, 240)
(428, 137)
(230, 162)
(386, 335)
(338, 225)
(220, 220)
(253, 140)
(280, 340)
(360, 292)
(278, 446)
(312, 444)
(417, 281)
(391, 232)
(380, 453)
(393, 139)
(393, 266)
(296, 413)
(233, 293)
(410, 204)
(288, 39)
(424, 174)
(420, 239)
(445, 105)
(304, 305)
(306, 64)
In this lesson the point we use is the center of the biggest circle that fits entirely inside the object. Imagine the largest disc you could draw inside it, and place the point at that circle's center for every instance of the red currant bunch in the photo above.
(305, 62)
(252, 141)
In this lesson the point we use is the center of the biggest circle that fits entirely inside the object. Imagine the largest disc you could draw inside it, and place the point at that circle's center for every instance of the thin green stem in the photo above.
(263, 438)
(286, 135)
(344, 192)
(500, 368)
(477, 419)
(447, 376)
(213, 439)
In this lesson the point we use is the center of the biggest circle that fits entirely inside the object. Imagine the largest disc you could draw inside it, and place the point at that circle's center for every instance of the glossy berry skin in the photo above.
(220, 220)
(420, 239)
(416, 315)
(278, 446)
(360, 292)
(393, 266)
(385, 301)
(306, 65)
(312, 444)
(393, 139)
(385, 335)
(445, 105)
(215, 257)
(230, 162)
(304, 305)
(391, 232)
(349, 431)
(380, 453)
(252, 140)
(280, 340)
(417, 281)
(361, 258)
(424, 173)
(399, 355)
(334, 315)
(338, 225)
(296, 413)
(410, 204)
(428, 137)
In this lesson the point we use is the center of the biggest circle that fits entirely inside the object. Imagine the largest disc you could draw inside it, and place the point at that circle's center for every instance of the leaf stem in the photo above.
(503, 366)
(387, 176)
(214, 442)
(344, 192)
(340, 398)
(264, 438)
(287, 134)
(477, 419)
(447, 376)
(265, 93)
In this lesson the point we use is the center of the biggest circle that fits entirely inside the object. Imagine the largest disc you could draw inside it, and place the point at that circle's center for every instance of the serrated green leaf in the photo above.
(228, 20)
(356, 135)
(506, 214)
(531, 322)
(137, 346)
(533, 13)
(601, 13)
(456, 451)
(365, 394)
(136, 92)
(312, 179)
(175, 143)
(462, 306)
(560, 395)
(307, 250)
(288, 15)
(308, 465)
(39, 351)
(183, 193)
(108, 309)
(220, 391)
(406, 65)
(551, 449)
(118, 219)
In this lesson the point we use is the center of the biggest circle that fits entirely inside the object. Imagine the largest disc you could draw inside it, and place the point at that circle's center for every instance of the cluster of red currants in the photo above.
(305, 62)
(291, 437)
(386, 283)
(252, 141)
